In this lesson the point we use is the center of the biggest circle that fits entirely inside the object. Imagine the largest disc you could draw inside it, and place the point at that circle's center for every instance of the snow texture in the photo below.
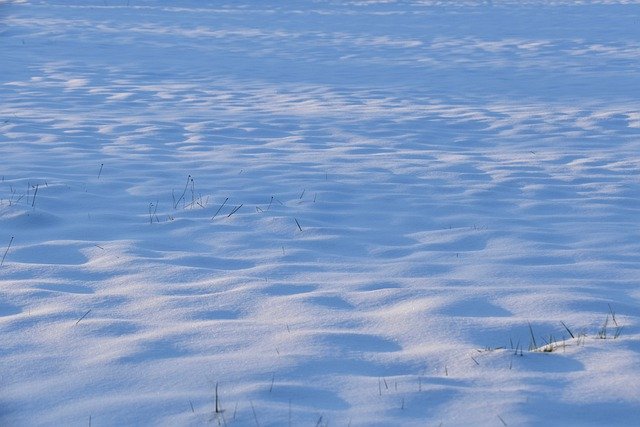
(361, 213)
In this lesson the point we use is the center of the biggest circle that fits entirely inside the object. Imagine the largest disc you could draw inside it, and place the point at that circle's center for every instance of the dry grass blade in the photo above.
(568, 330)
(33, 203)
(255, 416)
(236, 209)
(218, 410)
(186, 186)
(613, 315)
(534, 344)
(220, 208)
(6, 251)
(83, 316)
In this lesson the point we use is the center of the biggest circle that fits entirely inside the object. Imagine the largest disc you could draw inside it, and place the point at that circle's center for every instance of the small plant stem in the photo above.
(217, 401)
(533, 338)
(617, 333)
(221, 206)
(186, 186)
(236, 209)
(100, 171)
(613, 315)
(151, 213)
(602, 334)
(33, 202)
(298, 224)
(5, 252)
(193, 192)
(255, 416)
(568, 330)
(83, 316)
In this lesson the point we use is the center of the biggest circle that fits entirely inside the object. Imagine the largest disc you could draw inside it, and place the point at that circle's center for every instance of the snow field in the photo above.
(335, 213)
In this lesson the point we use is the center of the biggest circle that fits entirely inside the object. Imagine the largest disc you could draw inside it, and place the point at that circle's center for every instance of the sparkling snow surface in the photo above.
(335, 213)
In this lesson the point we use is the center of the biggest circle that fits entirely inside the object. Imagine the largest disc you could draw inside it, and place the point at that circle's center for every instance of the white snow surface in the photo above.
(335, 213)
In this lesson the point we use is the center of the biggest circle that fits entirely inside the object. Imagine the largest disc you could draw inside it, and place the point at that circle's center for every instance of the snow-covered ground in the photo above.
(336, 213)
